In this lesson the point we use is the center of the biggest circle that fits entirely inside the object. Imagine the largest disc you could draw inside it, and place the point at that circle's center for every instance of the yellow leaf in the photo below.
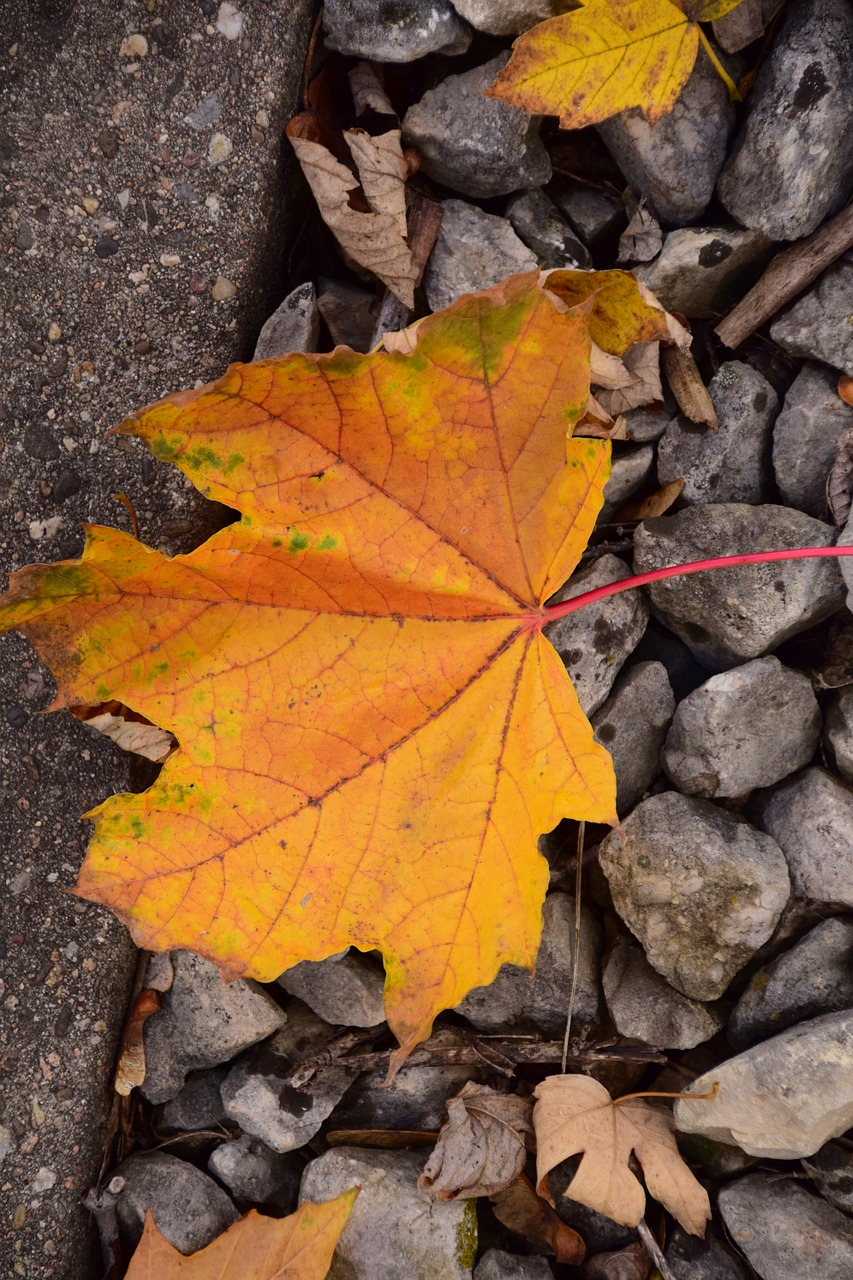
(255, 1248)
(601, 59)
(576, 1114)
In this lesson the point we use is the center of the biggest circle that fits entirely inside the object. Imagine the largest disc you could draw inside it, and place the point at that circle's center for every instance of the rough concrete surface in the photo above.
(144, 200)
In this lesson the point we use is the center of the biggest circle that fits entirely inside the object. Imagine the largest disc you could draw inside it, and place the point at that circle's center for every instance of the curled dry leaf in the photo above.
(375, 240)
(255, 1248)
(845, 388)
(655, 504)
(642, 363)
(130, 732)
(839, 482)
(482, 1147)
(521, 1210)
(685, 383)
(576, 1114)
(368, 91)
(130, 1071)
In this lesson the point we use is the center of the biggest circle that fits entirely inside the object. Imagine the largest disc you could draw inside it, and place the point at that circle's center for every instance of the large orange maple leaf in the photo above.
(373, 729)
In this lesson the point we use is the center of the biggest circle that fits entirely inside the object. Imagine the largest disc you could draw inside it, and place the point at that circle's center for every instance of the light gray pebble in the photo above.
(805, 438)
(745, 728)
(293, 326)
(811, 817)
(592, 211)
(255, 1175)
(394, 1231)
(831, 1170)
(204, 1022)
(397, 32)
(791, 164)
(495, 1264)
(710, 1259)
(474, 250)
(645, 426)
(785, 1232)
(595, 642)
(504, 17)
(632, 725)
(497, 151)
(628, 473)
(674, 164)
(783, 1098)
(645, 1007)
(731, 464)
(817, 325)
(838, 731)
(188, 1207)
(815, 976)
(344, 989)
(415, 1098)
(702, 271)
(349, 311)
(699, 887)
(729, 615)
(199, 1104)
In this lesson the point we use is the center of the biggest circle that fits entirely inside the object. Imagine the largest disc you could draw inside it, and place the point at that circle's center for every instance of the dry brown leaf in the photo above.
(655, 504)
(130, 1071)
(845, 388)
(138, 736)
(839, 482)
(642, 362)
(368, 91)
(381, 1139)
(576, 1114)
(606, 370)
(521, 1210)
(374, 240)
(685, 383)
(482, 1147)
(598, 424)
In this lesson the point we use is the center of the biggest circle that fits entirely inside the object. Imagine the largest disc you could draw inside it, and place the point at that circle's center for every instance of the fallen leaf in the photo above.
(130, 1070)
(598, 424)
(655, 504)
(642, 363)
(621, 310)
(255, 1248)
(381, 1139)
(521, 1210)
(482, 1147)
(839, 482)
(376, 239)
(606, 57)
(576, 1114)
(368, 90)
(685, 383)
(845, 388)
(642, 239)
(373, 729)
(130, 733)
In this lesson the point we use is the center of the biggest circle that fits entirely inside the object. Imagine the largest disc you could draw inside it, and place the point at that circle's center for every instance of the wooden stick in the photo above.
(788, 274)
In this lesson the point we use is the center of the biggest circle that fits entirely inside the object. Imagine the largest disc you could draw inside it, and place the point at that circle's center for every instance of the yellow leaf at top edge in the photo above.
(600, 60)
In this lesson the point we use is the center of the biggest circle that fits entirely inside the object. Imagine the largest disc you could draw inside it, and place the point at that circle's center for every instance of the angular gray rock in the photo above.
(702, 271)
(632, 725)
(517, 999)
(255, 1175)
(674, 164)
(538, 222)
(495, 1264)
(811, 817)
(477, 145)
(344, 989)
(644, 426)
(394, 1230)
(505, 17)
(645, 1007)
(258, 1094)
(595, 642)
(710, 1259)
(699, 887)
(349, 311)
(831, 1170)
(745, 728)
(731, 464)
(838, 731)
(817, 325)
(189, 1208)
(628, 473)
(394, 30)
(785, 1232)
(814, 977)
(293, 326)
(726, 616)
(593, 212)
(783, 1098)
(791, 165)
(204, 1021)
(473, 251)
(199, 1104)
(415, 1098)
(806, 436)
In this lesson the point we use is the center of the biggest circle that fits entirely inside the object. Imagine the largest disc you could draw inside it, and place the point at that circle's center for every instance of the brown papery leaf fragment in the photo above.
(135, 735)
(368, 90)
(685, 383)
(643, 364)
(655, 504)
(374, 240)
(482, 1147)
(521, 1210)
(381, 1139)
(839, 482)
(845, 388)
(576, 1114)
